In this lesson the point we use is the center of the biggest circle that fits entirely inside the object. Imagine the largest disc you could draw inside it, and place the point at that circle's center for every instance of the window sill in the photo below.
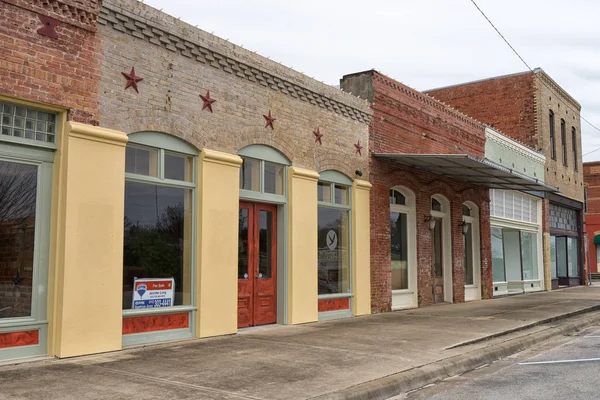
(334, 296)
(402, 291)
(157, 311)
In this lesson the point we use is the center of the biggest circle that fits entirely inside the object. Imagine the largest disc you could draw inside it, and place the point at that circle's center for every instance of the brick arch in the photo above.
(438, 186)
(328, 161)
(157, 120)
(251, 135)
(403, 178)
(477, 196)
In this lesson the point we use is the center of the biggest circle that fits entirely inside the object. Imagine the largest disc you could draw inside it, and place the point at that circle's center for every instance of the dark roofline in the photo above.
(482, 80)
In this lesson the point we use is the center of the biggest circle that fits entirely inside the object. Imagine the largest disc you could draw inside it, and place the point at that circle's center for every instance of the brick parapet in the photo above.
(80, 13)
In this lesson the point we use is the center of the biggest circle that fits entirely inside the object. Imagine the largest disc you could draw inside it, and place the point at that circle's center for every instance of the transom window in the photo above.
(18, 121)
(397, 198)
(436, 205)
(160, 184)
(262, 170)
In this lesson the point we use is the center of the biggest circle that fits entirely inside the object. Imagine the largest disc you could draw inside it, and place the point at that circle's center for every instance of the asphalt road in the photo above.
(565, 368)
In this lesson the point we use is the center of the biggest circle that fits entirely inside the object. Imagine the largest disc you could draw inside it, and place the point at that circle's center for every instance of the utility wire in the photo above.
(530, 69)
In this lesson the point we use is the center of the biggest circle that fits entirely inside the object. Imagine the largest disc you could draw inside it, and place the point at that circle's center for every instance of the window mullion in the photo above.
(262, 176)
(161, 163)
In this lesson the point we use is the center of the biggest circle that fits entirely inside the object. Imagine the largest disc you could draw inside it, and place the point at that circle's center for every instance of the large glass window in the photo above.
(553, 272)
(333, 238)
(18, 192)
(529, 255)
(561, 256)
(497, 256)
(468, 252)
(399, 251)
(512, 254)
(572, 249)
(159, 193)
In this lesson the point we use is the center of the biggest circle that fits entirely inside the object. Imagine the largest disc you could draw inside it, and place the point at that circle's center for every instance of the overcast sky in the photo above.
(422, 43)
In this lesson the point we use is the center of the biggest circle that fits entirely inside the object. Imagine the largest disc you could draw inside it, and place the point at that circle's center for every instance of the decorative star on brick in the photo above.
(318, 135)
(132, 79)
(358, 148)
(48, 28)
(269, 120)
(207, 101)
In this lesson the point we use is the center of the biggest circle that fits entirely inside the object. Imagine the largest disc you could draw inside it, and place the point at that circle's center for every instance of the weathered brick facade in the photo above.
(591, 177)
(63, 71)
(406, 121)
(178, 63)
(518, 105)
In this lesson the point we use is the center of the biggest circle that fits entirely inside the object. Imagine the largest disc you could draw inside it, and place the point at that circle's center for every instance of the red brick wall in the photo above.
(64, 71)
(591, 177)
(505, 103)
(406, 121)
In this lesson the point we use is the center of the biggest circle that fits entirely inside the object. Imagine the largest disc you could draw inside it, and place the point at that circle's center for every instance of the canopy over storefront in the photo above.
(465, 168)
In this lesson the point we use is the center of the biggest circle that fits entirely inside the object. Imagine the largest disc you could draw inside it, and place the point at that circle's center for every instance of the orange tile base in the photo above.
(334, 304)
(16, 339)
(151, 323)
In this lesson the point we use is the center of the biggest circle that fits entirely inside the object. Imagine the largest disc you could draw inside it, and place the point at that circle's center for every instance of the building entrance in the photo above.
(257, 264)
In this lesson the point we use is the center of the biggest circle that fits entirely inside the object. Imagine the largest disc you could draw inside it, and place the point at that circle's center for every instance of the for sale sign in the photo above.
(153, 292)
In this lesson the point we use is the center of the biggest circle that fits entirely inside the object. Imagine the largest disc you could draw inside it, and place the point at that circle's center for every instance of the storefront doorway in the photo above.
(257, 264)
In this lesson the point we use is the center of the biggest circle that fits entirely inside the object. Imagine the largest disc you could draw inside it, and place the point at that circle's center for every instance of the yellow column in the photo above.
(217, 247)
(87, 258)
(361, 248)
(302, 246)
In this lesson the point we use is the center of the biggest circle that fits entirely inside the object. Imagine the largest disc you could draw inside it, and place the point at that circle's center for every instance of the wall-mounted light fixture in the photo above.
(464, 225)
(358, 172)
(431, 220)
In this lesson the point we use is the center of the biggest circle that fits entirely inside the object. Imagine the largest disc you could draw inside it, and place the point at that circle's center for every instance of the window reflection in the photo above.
(141, 160)
(18, 191)
(157, 237)
(399, 250)
(333, 242)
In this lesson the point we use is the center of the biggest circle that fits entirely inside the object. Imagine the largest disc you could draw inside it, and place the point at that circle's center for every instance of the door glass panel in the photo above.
(497, 256)
(250, 174)
(243, 253)
(399, 250)
(273, 178)
(561, 256)
(529, 255)
(18, 191)
(437, 248)
(553, 257)
(265, 244)
(512, 255)
(468, 251)
(572, 257)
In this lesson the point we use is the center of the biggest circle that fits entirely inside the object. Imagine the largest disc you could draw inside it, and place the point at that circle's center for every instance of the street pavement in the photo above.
(368, 357)
(565, 368)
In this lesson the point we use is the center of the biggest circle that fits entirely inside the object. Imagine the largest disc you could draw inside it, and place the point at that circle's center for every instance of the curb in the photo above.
(415, 378)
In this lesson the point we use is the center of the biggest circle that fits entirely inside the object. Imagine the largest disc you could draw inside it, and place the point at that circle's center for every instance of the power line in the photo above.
(530, 69)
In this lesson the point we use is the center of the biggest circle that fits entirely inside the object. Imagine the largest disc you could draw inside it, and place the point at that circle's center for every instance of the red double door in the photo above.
(257, 264)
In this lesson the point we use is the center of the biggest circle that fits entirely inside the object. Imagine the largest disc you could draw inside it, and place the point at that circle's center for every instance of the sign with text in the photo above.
(153, 292)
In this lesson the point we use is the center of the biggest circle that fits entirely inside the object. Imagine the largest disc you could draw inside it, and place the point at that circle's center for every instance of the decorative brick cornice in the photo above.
(546, 80)
(80, 13)
(428, 100)
(183, 39)
(514, 145)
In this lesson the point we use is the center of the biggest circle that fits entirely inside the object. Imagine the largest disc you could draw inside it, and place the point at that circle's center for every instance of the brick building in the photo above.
(591, 178)
(430, 197)
(180, 185)
(532, 108)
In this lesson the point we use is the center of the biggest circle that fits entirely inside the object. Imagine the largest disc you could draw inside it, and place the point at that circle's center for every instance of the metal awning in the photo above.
(465, 168)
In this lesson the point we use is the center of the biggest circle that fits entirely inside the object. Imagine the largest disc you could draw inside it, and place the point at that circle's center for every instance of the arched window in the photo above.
(552, 137)
(563, 140)
(574, 146)
(403, 248)
(263, 170)
(160, 186)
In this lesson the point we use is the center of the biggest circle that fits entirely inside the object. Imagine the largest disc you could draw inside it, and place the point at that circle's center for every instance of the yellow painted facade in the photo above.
(217, 247)
(302, 246)
(361, 245)
(88, 243)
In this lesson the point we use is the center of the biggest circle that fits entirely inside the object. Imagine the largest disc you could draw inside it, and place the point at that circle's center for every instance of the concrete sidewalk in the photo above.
(365, 357)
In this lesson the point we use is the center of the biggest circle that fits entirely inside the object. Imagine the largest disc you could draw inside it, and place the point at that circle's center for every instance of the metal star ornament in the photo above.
(207, 101)
(132, 79)
(358, 148)
(318, 135)
(269, 120)
(48, 28)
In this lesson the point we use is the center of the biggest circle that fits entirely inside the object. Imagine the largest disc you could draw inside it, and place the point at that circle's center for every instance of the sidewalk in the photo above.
(300, 362)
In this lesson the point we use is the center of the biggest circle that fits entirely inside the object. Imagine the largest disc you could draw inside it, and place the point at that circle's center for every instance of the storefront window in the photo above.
(572, 257)
(468, 252)
(157, 253)
(512, 254)
(497, 256)
(399, 251)
(561, 256)
(333, 237)
(529, 255)
(553, 257)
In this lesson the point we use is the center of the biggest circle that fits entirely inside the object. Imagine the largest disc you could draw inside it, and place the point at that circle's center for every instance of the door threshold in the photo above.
(258, 328)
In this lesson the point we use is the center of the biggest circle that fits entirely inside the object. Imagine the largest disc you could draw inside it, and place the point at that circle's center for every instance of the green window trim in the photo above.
(264, 153)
